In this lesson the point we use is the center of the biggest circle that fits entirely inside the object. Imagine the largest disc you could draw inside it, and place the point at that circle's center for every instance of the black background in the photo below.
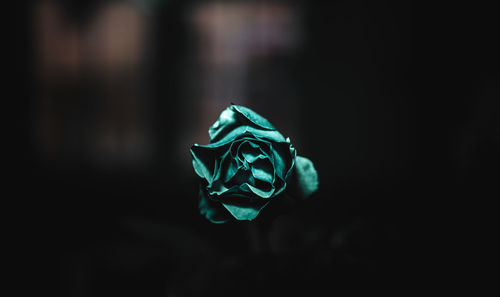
(399, 112)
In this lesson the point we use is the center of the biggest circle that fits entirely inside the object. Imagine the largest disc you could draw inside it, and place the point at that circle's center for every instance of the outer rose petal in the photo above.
(226, 122)
(236, 116)
(253, 117)
(284, 159)
(247, 131)
(203, 162)
(246, 212)
(307, 176)
(212, 210)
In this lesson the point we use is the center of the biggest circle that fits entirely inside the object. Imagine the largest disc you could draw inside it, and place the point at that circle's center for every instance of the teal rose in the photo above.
(247, 165)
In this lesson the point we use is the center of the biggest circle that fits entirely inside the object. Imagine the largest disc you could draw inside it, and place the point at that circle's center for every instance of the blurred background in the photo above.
(395, 103)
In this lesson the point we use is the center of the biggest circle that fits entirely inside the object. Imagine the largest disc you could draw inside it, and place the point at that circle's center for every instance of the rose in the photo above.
(246, 166)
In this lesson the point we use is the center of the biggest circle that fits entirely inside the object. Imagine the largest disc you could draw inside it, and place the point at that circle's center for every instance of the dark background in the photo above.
(396, 103)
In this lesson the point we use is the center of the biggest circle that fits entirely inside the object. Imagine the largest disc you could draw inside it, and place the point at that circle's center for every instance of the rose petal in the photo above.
(262, 169)
(244, 211)
(235, 116)
(230, 193)
(280, 161)
(241, 177)
(203, 162)
(293, 156)
(284, 159)
(217, 188)
(257, 191)
(212, 210)
(251, 151)
(228, 168)
(279, 185)
(253, 117)
(226, 122)
(307, 176)
(247, 131)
